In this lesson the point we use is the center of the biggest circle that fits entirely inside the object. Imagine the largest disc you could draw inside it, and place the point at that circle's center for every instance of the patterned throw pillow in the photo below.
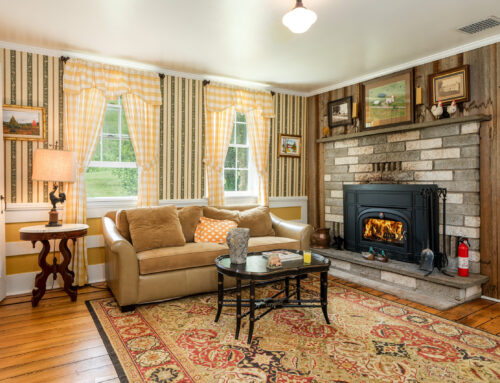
(213, 230)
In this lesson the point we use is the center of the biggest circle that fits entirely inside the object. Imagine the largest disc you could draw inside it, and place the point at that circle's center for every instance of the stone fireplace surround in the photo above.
(446, 155)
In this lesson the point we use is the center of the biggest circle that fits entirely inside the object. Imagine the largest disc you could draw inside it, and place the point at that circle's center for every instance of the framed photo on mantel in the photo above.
(388, 100)
(449, 85)
(340, 112)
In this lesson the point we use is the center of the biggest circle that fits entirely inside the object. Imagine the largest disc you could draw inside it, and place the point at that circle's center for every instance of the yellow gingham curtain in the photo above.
(217, 137)
(220, 104)
(143, 120)
(83, 115)
(219, 98)
(88, 86)
(258, 132)
(112, 80)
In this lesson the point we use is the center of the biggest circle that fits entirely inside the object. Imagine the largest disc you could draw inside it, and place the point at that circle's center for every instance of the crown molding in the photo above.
(410, 64)
(146, 67)
(252, 84)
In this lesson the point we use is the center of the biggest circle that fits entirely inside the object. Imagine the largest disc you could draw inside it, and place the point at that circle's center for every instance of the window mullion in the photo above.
(120, 133)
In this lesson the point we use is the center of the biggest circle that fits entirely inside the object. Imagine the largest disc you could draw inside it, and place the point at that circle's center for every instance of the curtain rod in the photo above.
(206, 82)
(66, 58)
(162, 75)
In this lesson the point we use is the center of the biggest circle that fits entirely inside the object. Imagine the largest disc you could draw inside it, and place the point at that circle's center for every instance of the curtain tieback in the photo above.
(80, 169)
(263, 172)
(210, 165)
(148, 166)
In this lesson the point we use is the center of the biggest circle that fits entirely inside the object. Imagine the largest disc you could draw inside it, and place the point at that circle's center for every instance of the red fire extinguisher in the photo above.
(463, 257)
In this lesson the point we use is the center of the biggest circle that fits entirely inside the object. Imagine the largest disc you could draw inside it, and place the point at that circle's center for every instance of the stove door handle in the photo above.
(405, 235)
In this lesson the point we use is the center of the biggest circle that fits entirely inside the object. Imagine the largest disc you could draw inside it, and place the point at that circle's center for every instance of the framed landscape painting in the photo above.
(24, 123)
(388, 100)
(340, 112)
(289, 145)
(449, 85)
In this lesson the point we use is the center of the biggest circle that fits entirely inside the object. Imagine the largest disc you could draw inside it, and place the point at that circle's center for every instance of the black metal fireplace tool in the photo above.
(434, 258)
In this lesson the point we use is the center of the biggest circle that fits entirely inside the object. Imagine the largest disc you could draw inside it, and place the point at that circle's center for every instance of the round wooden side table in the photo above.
(44, 234)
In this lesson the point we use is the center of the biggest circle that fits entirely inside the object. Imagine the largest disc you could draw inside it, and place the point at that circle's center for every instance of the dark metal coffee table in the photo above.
(255, 271)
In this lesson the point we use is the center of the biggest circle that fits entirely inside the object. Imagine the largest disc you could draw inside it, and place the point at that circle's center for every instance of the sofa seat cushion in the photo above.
(179, 257)
(272, 243)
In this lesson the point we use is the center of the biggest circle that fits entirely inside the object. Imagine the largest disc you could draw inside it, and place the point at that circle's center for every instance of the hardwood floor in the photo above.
(58, 342)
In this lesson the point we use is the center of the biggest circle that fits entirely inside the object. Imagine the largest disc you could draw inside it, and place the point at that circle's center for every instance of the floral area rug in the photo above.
(369, 340)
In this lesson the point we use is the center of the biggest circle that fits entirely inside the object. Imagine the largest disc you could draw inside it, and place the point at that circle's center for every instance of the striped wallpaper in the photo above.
(287, 174)
(181, 139)
(32, 79)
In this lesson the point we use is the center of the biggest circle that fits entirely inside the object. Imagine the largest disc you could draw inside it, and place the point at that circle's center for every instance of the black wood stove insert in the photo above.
(393, 218)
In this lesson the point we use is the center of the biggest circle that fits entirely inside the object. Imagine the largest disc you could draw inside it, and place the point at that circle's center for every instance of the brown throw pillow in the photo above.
(258, 220)
(189, 217)
(221, 214)
(155, 227)
(122, 224)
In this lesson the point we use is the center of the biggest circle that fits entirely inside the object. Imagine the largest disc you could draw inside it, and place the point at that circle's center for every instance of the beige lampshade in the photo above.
(53, 165)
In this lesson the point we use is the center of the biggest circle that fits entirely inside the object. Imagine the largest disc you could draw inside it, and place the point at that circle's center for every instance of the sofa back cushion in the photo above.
(122, 224)
(221, 214)
(213, 230)
(189, 218)
(258, 220)
(156, 227)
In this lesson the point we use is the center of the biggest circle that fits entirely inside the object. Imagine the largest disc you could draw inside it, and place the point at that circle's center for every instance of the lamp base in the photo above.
(53, 219)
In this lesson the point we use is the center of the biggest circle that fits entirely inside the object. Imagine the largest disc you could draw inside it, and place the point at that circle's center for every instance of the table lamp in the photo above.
(54, 166)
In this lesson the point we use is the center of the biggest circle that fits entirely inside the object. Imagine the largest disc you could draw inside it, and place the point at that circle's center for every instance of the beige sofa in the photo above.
(172, 272)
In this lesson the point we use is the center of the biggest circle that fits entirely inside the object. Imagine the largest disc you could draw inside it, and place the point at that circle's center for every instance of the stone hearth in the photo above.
(405, 280)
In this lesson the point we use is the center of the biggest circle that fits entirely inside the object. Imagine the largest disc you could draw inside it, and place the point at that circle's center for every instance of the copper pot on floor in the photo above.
(320, 238)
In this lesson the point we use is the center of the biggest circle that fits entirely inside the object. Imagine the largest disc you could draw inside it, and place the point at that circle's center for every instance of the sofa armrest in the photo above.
(122, 268)
(294, 230)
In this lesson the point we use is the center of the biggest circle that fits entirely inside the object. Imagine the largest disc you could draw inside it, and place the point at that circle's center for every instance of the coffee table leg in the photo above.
(298, 289)
(252, 311)
(287, 289)
(220, 295)
(238, 308)
(324, 295)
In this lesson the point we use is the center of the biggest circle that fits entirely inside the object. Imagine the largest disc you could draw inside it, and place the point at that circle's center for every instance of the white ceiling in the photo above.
(245, 39)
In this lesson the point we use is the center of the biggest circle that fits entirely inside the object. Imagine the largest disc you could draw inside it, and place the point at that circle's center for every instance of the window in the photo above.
(238, 167)
(113, 169)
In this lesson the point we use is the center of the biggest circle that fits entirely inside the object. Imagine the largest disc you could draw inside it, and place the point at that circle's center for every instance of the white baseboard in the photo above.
(490, 298)
(24, 283)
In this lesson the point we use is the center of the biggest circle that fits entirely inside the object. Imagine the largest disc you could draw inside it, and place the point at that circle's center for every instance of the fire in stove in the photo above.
(383, 230)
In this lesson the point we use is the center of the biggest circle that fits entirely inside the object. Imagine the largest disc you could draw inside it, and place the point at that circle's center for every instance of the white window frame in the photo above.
(113, 164)
(251, 192)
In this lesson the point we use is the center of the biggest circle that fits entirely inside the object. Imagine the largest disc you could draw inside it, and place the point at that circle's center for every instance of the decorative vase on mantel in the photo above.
(320, 238)
(237, 241)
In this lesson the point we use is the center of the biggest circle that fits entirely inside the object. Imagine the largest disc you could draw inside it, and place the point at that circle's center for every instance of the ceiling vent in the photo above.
(480, 26)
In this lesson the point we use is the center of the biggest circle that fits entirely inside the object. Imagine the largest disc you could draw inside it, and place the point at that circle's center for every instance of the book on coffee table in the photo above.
(284, 255)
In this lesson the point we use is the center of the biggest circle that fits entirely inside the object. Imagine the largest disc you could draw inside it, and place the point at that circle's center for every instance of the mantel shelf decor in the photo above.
(402, 128)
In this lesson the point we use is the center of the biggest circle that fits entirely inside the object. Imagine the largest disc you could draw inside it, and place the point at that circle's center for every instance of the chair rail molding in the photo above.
(97, 207)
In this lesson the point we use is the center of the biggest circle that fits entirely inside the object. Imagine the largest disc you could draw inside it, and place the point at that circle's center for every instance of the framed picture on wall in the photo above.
(388, 100)
(289, 145)
(28, 123)
(340, 112)
(449, 85)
